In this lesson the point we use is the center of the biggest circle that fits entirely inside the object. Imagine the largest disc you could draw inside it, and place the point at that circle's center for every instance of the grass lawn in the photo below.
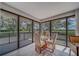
(7, 34)
(61, 32)
(11, 34)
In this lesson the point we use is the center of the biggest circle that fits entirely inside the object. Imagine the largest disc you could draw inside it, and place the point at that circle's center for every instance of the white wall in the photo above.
(0, 7)
(17, 11)
(0, 4)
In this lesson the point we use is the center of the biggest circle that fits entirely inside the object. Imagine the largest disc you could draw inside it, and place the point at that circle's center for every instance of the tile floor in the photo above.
(30, 51)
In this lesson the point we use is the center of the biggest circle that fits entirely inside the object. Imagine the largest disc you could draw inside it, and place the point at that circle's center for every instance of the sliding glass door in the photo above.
(59, 26)
(25, 29)
(8, 32)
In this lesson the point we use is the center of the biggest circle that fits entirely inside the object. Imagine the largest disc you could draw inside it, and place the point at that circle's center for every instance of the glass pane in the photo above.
(8, 32)
(71, 24)
(35, 28)
(45, 30)
(25, 31)
(45, 26)
(59, 26)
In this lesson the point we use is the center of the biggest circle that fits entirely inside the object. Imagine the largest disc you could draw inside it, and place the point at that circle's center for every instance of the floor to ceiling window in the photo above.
(59, 26)
(8, 32)
(25, 29)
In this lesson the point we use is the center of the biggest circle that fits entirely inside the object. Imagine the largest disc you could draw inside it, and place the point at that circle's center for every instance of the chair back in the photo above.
(74, 39)
(54, 37)
(37, 38)
(48, 35)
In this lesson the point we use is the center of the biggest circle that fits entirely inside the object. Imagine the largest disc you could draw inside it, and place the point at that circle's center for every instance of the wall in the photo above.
(0, 4)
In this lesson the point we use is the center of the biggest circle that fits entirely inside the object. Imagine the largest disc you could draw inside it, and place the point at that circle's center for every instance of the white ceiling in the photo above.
(43, 10)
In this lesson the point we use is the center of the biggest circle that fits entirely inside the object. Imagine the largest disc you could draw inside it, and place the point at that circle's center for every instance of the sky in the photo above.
(72, 23)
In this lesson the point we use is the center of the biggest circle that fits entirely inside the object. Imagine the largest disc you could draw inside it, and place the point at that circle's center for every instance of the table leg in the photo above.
(77, 51)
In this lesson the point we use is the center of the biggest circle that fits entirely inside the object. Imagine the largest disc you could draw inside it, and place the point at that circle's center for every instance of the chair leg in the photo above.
(70, 52)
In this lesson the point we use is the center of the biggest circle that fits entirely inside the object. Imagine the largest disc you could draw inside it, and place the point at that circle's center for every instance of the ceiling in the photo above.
(43, 10)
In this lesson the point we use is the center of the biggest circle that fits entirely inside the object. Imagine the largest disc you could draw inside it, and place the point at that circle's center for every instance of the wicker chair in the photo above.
(51, 42)
(39, 45)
